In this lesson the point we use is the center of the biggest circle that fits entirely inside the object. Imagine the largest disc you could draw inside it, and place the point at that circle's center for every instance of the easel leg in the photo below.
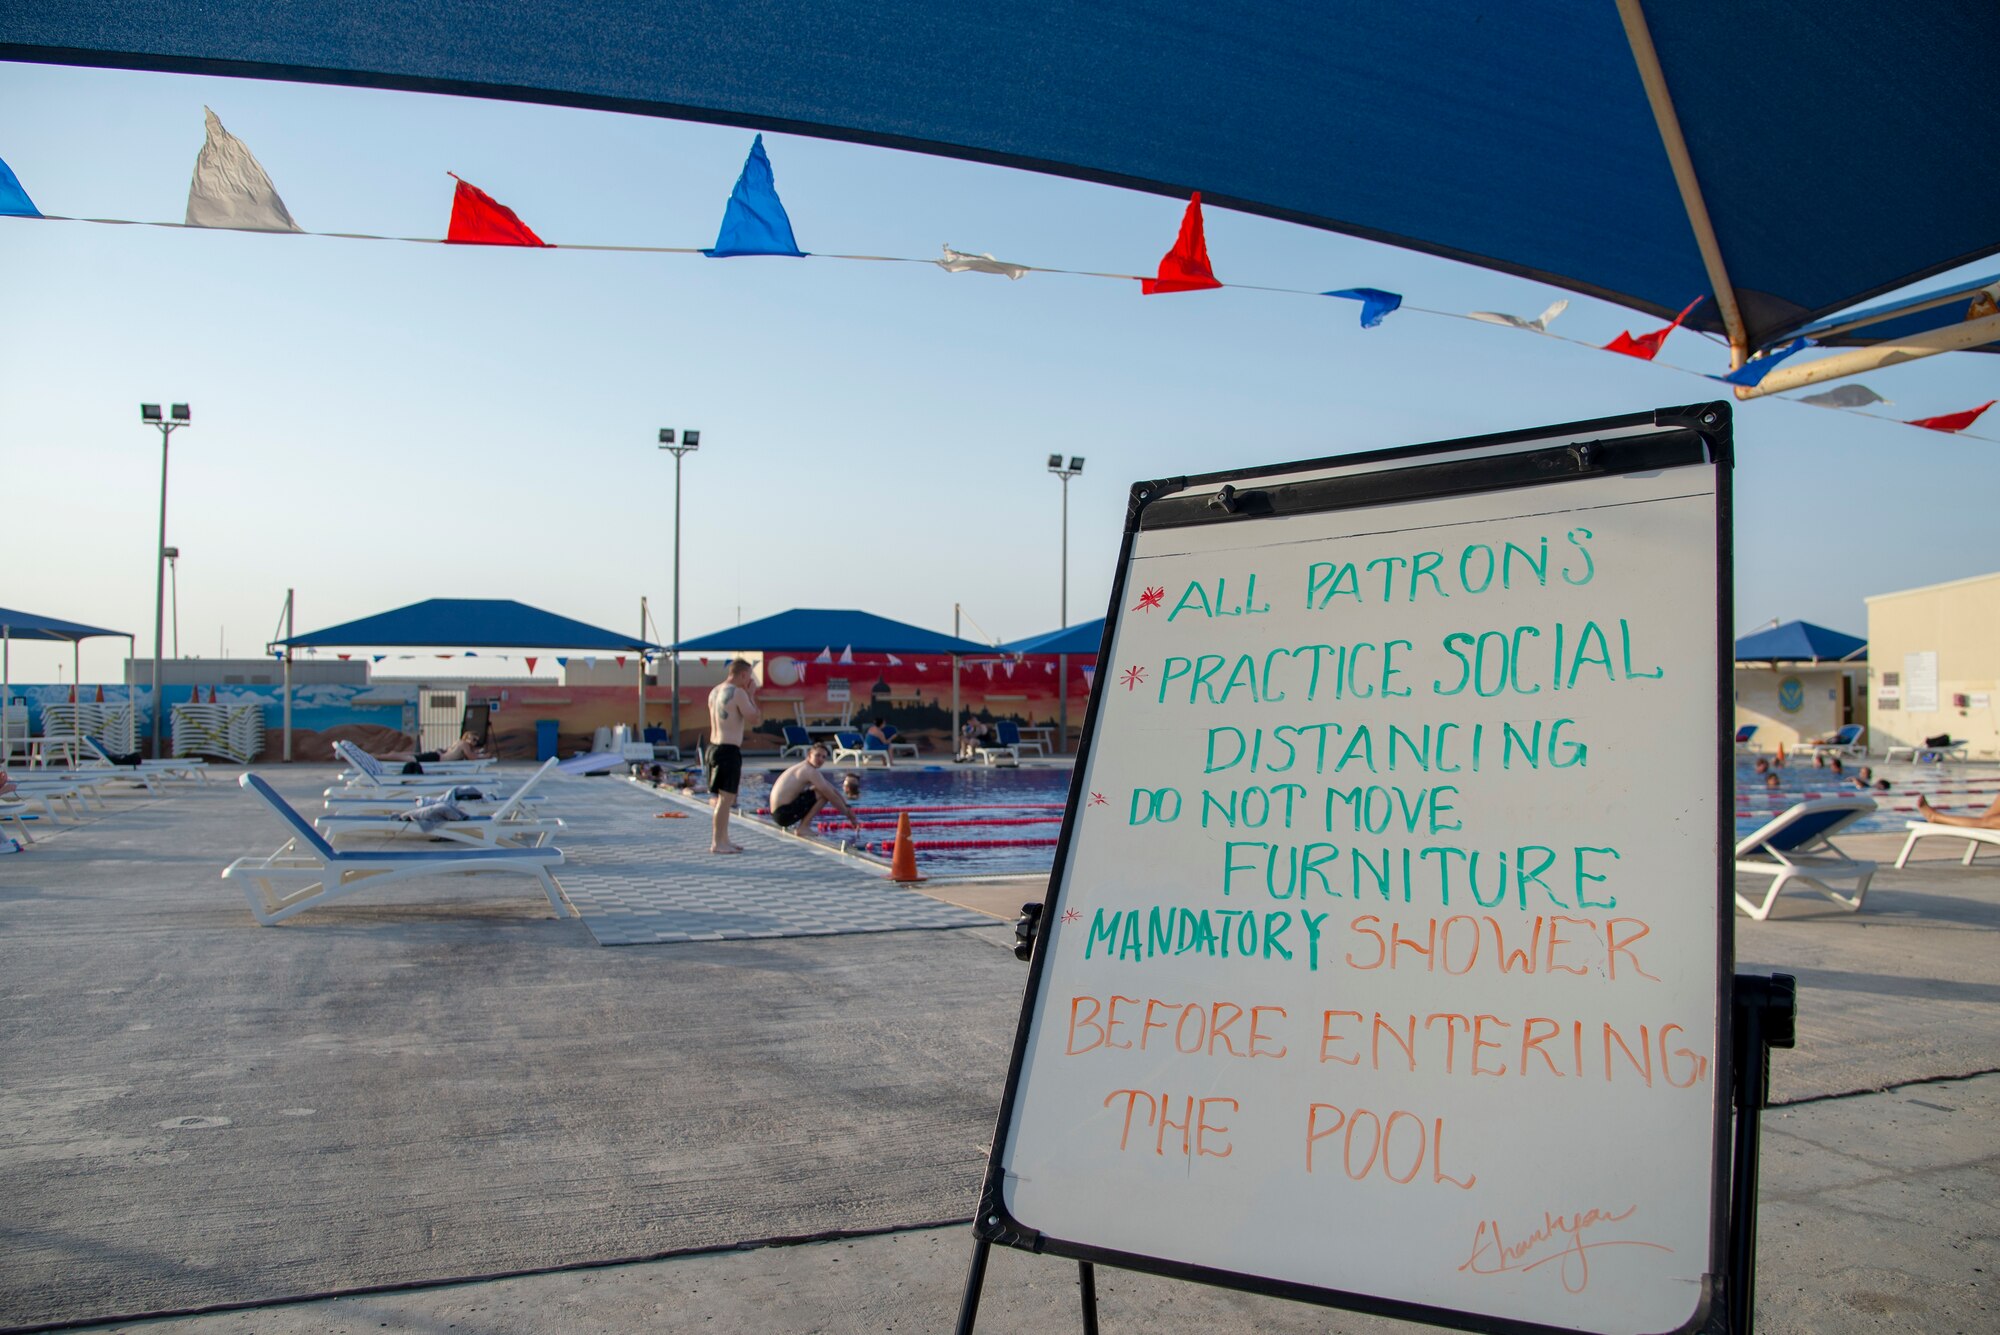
(1765, 1018)
(1086, 1283)
(975, 1281)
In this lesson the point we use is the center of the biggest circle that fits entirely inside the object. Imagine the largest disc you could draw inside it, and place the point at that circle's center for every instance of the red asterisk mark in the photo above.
(1071, 915)
(1132, 678)
(1097, 799)
(1150, 599)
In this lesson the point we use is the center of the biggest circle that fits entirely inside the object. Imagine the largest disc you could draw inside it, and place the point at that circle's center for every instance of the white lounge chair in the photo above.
(364, 770)
(1794, 847)
(95, 757)
(14, 812)
(507, 824)
(72, 788)
(1845, 742)
(1919, 754)
(307, 871)
(1974, 839)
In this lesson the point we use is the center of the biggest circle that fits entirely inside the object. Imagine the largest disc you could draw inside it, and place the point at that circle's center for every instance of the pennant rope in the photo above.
(1849, 400)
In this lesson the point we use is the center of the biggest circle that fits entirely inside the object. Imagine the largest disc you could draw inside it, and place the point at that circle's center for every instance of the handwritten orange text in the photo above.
(1559, 1238)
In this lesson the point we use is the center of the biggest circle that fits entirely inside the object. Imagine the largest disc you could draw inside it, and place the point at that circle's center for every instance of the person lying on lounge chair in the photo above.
(1988, 819)
(799, 791)
(465, 748)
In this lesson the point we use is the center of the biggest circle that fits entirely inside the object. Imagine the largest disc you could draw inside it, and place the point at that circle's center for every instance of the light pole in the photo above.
(1062, 660)
(149, 413)
(173, 555)
(690, 441)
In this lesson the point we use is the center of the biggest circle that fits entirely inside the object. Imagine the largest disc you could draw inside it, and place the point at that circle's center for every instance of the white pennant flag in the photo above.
(846, 658)
(825, 655)
(1049, 668)
(1540, 324)
(989, 670)
(1089, 674)
(922, 666)
(1009, 667)
(231, 190)
(958, 261)
(893, 660)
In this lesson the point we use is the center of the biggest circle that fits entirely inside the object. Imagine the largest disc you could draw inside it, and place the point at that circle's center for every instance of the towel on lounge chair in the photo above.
(427, 816)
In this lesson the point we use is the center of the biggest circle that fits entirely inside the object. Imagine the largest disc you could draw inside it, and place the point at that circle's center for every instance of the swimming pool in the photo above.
(964, 820)
(1959, 789)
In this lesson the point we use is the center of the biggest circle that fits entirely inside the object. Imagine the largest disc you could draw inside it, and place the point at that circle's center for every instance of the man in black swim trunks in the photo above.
(799, 791)
(731, 709)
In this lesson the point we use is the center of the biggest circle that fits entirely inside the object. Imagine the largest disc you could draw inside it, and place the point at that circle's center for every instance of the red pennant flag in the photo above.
(345, 657)
(1954, 421)
(1185, 268)
(100, 695)
(211, 695)
(621, 660)
(444, 655)
(531, 665)
(478, 219)
(72, 692)
(1647, 346)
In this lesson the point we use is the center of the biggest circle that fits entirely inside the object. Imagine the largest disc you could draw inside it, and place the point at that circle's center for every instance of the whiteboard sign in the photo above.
(1385, 956)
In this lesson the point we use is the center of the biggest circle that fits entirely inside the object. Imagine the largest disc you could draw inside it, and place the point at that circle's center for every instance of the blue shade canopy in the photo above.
(1801, 642)
(490, 623)
(1082, 638)
(815, 628)
(1843, 148)
(28, 626)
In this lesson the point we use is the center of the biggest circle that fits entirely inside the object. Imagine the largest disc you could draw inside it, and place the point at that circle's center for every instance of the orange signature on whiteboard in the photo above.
(1562, 1239)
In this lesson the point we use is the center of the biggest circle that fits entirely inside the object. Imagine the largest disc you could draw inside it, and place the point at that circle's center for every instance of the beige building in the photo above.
(1934, 657)
(1789, 702)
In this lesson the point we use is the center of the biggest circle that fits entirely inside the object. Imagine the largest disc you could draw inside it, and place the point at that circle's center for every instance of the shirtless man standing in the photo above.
(799, 791)
(731, 708)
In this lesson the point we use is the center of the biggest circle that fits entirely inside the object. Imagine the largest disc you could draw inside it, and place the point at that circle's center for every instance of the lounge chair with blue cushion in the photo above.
(1794, 847)
(1743, 736)
(896, 744)
(362, 766)
(1928, 753)
(307, 871)
(859, 750)
(512, 822)
(1009, 734)
(1846, 742)
(797, 741)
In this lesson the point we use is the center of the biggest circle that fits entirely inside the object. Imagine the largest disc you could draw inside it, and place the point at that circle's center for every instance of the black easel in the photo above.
(1764, 1016)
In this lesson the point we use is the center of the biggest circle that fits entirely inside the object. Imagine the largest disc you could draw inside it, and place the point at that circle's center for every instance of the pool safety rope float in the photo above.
(934, 845)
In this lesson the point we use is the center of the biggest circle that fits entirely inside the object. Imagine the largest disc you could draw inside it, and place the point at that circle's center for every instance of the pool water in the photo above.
(1958, 789)
(964, 820)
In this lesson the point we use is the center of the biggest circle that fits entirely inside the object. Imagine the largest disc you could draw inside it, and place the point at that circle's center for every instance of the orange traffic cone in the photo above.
(1781, 753)
(903, 862)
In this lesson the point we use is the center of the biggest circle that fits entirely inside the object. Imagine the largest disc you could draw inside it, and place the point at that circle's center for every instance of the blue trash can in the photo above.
(545, 738)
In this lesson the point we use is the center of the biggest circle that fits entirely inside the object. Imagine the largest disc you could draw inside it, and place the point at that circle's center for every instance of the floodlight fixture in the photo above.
(181, 413)
(1055, 460)
(171, 553)
(1076, 463)
(149, 412)
(666, 435)
(691, 439)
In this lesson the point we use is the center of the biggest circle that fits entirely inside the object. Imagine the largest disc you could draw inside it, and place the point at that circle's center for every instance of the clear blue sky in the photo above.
(377, 423)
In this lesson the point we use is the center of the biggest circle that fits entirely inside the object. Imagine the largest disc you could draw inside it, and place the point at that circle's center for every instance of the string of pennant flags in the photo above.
(231, 190)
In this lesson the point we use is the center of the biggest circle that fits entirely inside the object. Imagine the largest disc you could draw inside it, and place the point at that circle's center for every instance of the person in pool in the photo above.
(1763, 767)
(1988, 819)
(1773, 781)
(1864, 778)
(850, 788)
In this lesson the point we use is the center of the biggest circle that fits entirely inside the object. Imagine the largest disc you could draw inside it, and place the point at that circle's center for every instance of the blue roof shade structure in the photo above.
(28, 626)
(835, 629)
(488, 623)
(1083, 638)
(1842, 151)
(1801, 642)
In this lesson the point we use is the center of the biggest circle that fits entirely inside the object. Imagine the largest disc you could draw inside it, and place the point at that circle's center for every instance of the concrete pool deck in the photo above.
(445, 1083)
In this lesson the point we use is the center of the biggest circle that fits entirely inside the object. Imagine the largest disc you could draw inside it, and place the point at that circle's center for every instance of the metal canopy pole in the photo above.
(642, 666)
(1650, 74)
(288, 673)
(1950, 338)
(954, 684)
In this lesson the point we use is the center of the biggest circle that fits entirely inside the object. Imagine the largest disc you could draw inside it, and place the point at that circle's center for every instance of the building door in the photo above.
(439, 714)
(1846, 699)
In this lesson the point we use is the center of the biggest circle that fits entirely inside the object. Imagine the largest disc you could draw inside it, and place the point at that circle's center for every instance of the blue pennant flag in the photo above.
(1753, 372)
(755, 223)
(1375, 303)
(14, 201)
(562, 662)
